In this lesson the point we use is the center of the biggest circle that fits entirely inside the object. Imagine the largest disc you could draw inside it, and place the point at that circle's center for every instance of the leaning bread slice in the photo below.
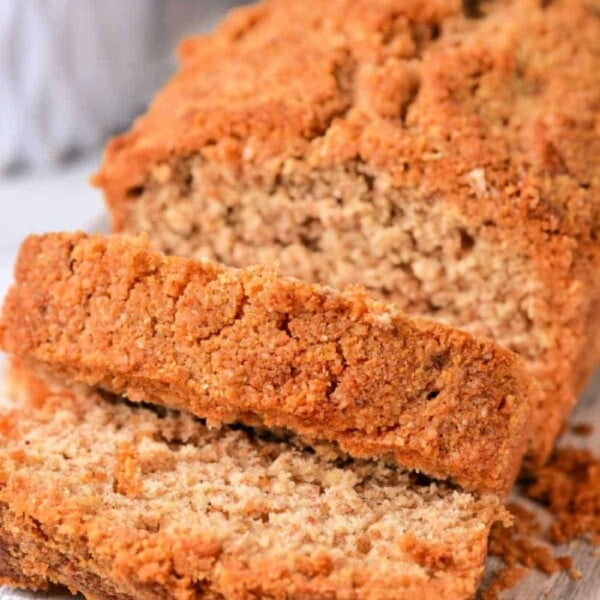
(128, 502)
(249, 346)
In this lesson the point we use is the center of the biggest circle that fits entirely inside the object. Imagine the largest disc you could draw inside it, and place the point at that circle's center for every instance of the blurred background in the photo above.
(72, 73)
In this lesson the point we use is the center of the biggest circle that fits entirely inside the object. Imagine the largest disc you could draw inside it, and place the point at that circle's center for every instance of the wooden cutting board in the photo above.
(535, 586)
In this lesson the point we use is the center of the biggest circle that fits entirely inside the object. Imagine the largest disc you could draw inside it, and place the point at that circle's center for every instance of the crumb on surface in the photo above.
(568, 487)
(582, 429)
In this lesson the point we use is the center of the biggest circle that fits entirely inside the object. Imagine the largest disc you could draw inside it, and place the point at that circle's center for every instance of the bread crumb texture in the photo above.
(247, 345)
(447, 163)
(567, 489)
(128, 502)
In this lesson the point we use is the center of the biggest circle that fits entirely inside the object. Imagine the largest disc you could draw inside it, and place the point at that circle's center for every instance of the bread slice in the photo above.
(246, 345)
(447, 163)
(130, 502)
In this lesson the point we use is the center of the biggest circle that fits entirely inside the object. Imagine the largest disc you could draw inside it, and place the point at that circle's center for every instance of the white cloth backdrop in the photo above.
(49, 200)
(72, 71)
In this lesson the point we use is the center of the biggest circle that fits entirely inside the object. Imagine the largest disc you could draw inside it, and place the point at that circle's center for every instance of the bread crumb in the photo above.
(568, 487)
(575, 574)
(504, 580)
(582, 429)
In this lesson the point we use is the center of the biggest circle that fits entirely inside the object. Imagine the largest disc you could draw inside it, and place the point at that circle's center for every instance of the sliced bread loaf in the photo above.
(124, 502)
(447, 163)
(249, 346)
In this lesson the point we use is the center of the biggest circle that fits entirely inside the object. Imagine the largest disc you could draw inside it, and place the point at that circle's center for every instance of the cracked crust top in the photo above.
(249, 345)
(414, 88)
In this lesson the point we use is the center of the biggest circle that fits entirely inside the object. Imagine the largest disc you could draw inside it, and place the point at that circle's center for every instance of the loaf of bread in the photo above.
(447, 163)
(124, 502)
(249, 346)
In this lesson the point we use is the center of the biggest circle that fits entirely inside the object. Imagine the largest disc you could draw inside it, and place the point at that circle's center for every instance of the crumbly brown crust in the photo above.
(247, 345)
(121, 503)
(489, 122)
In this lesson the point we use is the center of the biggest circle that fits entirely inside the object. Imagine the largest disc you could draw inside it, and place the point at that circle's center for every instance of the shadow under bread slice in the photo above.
(250, 346)
(129, 501)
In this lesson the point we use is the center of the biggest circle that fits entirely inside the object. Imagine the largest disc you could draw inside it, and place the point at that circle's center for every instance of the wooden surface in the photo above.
(535, 586)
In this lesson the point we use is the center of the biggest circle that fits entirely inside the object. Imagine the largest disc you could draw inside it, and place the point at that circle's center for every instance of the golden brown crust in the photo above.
(247, 345)
(495, 118)
(244, 86)
(64, 519)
